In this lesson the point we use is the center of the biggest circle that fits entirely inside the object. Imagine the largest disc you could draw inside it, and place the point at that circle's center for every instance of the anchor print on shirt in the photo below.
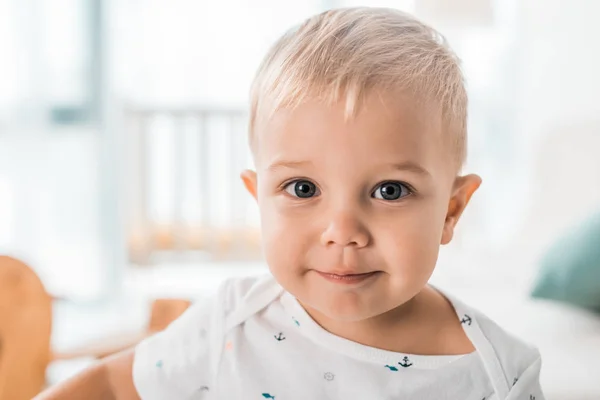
(466, 320)
(406, 362)
(268, 396)
(279, 337)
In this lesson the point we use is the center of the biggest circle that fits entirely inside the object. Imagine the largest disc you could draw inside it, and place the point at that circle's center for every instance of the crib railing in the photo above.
(183, 195)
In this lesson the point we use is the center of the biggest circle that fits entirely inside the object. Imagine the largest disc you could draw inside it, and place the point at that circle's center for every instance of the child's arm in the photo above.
(110, 379)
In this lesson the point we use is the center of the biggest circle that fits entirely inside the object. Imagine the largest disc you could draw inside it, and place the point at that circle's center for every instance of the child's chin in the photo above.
(348, 311)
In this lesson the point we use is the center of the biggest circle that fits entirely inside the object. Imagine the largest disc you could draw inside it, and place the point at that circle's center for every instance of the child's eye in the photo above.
(391, 191)
(302, 189)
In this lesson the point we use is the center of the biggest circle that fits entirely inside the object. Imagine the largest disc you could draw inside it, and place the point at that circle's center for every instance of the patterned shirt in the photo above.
(253, 340)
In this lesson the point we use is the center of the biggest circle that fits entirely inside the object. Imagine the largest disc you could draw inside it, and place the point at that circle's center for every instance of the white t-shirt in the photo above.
(253, 340)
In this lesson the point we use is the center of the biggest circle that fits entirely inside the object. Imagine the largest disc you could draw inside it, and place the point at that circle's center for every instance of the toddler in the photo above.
(358, 133)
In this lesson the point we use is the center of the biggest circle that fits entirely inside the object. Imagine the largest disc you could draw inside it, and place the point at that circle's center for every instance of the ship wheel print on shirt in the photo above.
(329, 376)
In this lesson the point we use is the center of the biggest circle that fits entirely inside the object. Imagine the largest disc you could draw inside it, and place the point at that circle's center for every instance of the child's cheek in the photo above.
(410, 245)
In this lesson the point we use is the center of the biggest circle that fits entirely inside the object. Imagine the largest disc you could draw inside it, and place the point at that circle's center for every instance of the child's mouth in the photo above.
(347, 278)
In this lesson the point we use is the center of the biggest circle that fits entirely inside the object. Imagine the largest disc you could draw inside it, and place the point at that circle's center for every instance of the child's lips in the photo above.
(347, 277)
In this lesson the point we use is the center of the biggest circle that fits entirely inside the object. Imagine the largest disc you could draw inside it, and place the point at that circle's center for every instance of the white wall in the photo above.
(558, 119)
(549, 178)
(561, 63)
(49, 208)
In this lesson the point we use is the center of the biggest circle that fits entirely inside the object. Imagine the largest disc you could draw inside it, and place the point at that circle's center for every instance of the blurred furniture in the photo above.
(570, 271)
(193, 157)
(25, 326)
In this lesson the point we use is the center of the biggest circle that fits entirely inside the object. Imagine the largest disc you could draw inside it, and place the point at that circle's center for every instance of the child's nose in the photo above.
(345, 229)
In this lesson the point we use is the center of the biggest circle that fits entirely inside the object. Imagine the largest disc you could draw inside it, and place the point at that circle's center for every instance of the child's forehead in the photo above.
(389, 125)
(381, 115)
(394, 105)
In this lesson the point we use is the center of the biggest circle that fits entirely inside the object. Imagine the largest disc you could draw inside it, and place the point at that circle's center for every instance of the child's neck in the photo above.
(425, 325)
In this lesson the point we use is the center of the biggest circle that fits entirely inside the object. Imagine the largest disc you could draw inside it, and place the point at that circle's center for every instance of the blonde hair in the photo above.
(342, 54)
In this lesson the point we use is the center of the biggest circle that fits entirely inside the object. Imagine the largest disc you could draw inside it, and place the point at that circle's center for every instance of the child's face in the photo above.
(374, 195)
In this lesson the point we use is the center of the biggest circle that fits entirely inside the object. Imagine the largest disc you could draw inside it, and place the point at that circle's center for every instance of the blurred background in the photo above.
(123, 132)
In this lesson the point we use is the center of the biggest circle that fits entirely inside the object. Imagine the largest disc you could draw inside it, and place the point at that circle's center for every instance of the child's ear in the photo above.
(250, 182)
(463, 189)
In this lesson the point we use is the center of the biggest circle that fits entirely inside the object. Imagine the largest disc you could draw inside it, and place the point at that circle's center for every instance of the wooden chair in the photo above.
(25, 328)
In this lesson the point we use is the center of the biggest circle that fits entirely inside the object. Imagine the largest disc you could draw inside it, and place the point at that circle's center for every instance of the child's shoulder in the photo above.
(188, 352)
(255, 291)
(514, 353)
(239, 298)
(497, 346)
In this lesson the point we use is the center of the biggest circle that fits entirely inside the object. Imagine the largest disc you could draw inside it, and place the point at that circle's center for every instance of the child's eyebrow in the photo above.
(410, 166)
(288, 164)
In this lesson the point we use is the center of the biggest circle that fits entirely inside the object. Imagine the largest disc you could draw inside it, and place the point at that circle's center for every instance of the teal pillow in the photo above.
(570, 269)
